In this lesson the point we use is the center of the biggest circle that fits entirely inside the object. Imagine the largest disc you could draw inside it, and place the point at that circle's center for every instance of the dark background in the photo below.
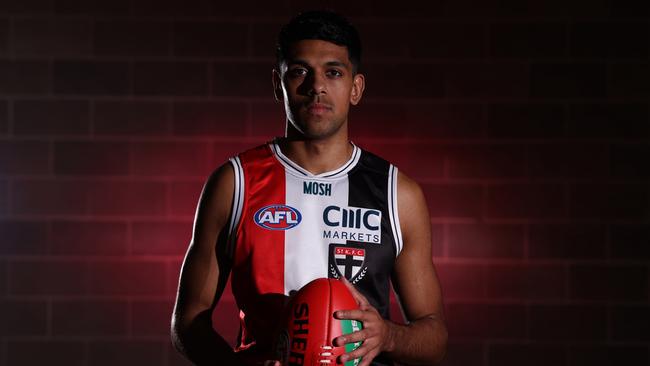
(526, 123)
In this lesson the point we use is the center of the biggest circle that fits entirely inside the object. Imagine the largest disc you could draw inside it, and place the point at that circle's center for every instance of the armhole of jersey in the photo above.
(237, 204)
(393, 211)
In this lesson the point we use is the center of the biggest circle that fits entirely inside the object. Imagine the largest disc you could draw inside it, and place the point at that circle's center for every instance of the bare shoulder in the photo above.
(412, 208)
(216, 198)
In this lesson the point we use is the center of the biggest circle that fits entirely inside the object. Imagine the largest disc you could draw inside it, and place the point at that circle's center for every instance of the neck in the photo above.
(317, 155)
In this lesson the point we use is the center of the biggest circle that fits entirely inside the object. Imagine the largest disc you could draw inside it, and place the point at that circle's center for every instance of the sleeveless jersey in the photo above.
(289, 226)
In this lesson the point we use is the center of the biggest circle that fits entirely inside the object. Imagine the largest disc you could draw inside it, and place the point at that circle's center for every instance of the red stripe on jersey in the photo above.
(258, 263)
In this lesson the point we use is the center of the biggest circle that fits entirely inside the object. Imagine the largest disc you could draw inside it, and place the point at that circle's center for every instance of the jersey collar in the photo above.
(293, 167)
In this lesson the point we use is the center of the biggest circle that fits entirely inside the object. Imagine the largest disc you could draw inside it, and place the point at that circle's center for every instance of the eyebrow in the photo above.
(328, 63)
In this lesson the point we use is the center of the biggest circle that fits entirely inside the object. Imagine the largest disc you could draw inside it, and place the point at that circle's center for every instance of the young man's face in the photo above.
(317, 86)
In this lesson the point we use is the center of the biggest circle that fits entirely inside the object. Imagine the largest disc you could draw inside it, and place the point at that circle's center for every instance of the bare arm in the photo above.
(204, 275)
(424, 339)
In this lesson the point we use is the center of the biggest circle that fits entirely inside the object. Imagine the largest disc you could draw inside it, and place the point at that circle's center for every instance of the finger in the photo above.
(351, 314)
(358, 336)
(368, 359)
(358, 296)
(357, 353)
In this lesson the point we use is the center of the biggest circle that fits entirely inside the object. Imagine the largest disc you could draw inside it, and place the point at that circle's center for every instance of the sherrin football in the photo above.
(311, 326)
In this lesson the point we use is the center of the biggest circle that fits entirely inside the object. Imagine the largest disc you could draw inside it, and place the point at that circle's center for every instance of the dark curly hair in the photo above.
(324, 25)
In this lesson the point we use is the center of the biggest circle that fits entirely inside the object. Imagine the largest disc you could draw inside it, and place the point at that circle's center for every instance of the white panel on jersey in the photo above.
(305, 248)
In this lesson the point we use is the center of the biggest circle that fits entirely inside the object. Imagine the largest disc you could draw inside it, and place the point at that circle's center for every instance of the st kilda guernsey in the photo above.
(289, 226)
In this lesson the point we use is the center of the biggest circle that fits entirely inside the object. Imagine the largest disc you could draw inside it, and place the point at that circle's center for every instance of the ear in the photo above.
(358, 85)
(276, 79)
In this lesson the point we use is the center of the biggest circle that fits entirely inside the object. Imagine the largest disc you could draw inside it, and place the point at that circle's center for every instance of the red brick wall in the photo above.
(526, 123)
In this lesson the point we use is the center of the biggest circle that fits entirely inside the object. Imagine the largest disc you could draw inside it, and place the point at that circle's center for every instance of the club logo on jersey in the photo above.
(347, 261)
(352, 223)
(277, 217)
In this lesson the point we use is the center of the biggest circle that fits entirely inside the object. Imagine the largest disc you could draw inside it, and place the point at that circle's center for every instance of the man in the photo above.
(310, 205)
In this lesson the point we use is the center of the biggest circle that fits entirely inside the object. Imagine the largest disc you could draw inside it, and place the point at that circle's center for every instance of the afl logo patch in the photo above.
(277, 217)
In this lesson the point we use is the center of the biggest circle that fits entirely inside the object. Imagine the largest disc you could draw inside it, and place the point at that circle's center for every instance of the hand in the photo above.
(375, 334)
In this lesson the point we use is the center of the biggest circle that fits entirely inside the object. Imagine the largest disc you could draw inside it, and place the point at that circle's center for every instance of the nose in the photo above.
(317, 86)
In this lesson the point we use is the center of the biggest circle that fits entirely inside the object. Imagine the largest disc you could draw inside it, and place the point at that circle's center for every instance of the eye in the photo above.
(298, 71)
(334, 73)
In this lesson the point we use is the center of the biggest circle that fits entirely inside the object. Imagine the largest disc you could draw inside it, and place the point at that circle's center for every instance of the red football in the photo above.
(311, 326)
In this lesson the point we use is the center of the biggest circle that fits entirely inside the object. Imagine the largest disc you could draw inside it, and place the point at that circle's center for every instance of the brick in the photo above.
(180, 159)
(209, 119)
(525, 200)
(91, 158)
(95, 7)
(171, 78)
(629, 80)
(563, 241)
(28, 6)
(160, 237)
(4, 118)
(184, 197)
(4, 197)
(539, 120)
(23, 237)
(139, 278)
(264, 37)
(4, 37)
(588, 120)
(24, 77)
(132, 118)
(225, 319)
(458, 200)
(481, 321)
(407, 120)
(349, 9)
(526, 354)
(579, 322)
(125, 352)
(437, 39)
(610, 200)
(89, 318)
(88, 238)
(408, 8)
(49, 196)
(132, 38)
(213, 39)
(242, 79)
(630, 323)
(416, 160)
(485, 161)
(568, 160)
(268, 120)
(485, 80)
(461, 281)
(611, 39)
(151, 318)
(51, 117)
(23, 318)
(428, 82)
(575, 80)
(529, 39)
(526, 281)
(174, 8)
(24, 157)
(545, 9)
(630, 241)
(173, 275)
(48, 278)
(486, 241)
(626, 9)
(630, 161)
(91, 77)
(51, 37)
(23, 352)
(607, 355)
(465, 353)
(608, 282)
(3, 280)
(128, 198)
(222, 151)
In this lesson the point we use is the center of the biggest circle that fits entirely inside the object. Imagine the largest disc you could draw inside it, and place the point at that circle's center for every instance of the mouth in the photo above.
(318, 108)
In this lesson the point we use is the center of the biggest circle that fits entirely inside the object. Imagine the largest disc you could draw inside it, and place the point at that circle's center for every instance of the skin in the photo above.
(317, 86)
